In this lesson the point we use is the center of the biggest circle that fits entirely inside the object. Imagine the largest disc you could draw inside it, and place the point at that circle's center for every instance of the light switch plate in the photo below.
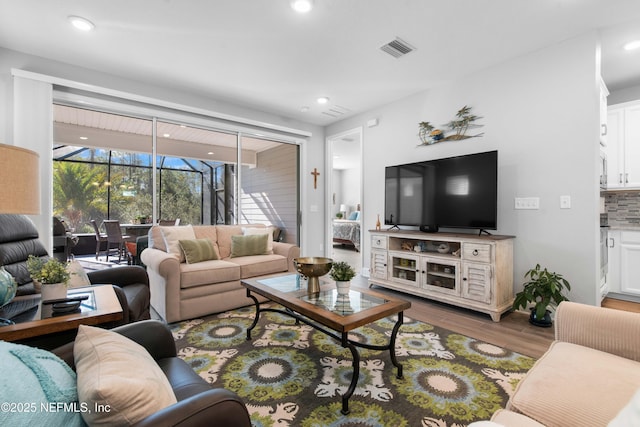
(565, 202)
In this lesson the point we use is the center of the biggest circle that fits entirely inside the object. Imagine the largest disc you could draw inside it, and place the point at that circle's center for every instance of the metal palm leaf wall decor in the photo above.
(458, 128)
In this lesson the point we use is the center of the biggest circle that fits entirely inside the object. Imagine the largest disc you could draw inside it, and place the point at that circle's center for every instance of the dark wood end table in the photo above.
(102, 306)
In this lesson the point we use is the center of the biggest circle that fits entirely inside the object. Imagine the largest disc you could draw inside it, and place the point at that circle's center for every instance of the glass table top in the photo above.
(342, 304)
(86, 305)
(30, 309)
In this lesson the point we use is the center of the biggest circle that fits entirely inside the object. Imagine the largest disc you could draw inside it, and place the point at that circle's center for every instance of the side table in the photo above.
(102, 306)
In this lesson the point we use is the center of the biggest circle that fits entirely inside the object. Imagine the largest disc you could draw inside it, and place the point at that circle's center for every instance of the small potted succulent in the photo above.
(342, 273)
(543, 290)
(50, 277)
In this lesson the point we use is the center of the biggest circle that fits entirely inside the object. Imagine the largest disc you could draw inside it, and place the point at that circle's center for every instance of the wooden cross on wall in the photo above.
(315, 174)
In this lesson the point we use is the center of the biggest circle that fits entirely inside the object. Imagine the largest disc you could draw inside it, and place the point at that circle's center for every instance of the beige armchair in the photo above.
(588, 375)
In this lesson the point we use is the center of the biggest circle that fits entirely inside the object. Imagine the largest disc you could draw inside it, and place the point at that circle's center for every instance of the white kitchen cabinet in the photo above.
(623, 146)
(630, 262)
(614, 149)
(475, 272)
(624, 262)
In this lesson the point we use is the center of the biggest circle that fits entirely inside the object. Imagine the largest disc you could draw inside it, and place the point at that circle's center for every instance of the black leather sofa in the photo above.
(198, 404)
(19, 239)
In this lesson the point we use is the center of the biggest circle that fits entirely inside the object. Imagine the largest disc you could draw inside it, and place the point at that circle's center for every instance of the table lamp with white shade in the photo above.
(343, 211)
(19, 194)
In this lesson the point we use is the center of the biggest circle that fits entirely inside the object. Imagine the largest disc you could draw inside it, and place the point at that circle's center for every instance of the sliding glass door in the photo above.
(104, 169)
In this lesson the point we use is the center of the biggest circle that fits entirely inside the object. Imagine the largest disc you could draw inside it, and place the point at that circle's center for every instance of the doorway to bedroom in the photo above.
(344, 204)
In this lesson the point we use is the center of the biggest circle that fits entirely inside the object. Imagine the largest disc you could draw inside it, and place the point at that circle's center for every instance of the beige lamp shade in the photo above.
(19, 181)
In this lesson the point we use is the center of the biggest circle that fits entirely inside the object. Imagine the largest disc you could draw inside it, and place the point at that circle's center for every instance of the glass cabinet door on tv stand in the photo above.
(441, 275)
(404, 269)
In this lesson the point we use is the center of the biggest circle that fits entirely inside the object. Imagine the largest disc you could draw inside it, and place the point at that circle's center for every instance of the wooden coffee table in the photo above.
(330, 313)
(102, 306)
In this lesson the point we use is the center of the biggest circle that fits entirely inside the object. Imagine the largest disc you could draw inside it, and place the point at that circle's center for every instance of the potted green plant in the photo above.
(50, 275)
(342, 273)
(544, 290)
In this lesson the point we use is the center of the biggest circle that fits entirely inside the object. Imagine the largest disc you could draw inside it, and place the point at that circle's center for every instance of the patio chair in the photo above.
(114, 235)
(100, 237)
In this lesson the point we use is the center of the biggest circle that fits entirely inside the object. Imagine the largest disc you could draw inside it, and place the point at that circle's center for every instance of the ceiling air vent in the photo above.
(397, 48)
(336, 111)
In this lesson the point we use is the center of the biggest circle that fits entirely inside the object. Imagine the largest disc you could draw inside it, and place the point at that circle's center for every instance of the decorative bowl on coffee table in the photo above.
(312, 268)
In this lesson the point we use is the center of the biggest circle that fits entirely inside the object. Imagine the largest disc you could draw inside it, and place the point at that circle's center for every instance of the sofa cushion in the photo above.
(119, 374)
(573, 385)
(156, 240)
(252, 231)
(208, 232)
(224, 234)
(172, 237)
(197, 250)
(259, 265)
(31, 377)
(249, 245)
(207, 273)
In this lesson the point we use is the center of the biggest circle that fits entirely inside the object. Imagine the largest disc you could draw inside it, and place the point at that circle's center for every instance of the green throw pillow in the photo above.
(37, 388)
(197, 250)
(256, 244)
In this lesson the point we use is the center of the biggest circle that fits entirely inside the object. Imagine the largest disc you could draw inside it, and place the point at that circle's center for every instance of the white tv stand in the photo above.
(470, 271)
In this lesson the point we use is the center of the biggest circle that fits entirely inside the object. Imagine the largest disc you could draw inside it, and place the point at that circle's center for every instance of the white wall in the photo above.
(336, 183)
(346, 186)
(540, 112)
(313, 152)
(351, 189)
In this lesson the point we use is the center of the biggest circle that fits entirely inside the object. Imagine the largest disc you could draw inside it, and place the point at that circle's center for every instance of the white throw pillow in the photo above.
(252, 231)
(629, 415)
(120, 376)
(172, 236)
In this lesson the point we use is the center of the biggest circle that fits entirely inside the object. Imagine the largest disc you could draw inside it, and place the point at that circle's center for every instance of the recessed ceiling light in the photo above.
(323, 100)
(304, 109)
(210, 153)
(81, 23)
(302, 6)
(632, 45)
(166, 135)
(84, 138)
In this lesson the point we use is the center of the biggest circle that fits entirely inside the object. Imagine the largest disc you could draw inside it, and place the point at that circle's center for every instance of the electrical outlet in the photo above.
(527, 203)
(565, 202)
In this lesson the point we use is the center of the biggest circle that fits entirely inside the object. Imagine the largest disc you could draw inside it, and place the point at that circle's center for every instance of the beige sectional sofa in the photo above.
(182, 290)
(589, 376)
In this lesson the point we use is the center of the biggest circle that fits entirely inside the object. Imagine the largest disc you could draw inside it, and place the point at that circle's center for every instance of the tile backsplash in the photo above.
(623, 208)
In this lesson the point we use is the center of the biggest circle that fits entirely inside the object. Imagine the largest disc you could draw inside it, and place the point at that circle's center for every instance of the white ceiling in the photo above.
(260, 53)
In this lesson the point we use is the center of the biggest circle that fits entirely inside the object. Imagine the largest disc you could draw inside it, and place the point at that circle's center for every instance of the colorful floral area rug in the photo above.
(293, 375)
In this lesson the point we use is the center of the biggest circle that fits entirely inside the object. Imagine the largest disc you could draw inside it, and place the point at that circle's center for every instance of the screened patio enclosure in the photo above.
(106, 166)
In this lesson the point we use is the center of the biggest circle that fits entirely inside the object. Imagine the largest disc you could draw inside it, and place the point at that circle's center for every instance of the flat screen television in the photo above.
(455, 192)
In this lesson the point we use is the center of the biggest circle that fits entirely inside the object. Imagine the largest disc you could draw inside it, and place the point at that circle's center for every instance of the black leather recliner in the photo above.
(19, 239)
(199, 404)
